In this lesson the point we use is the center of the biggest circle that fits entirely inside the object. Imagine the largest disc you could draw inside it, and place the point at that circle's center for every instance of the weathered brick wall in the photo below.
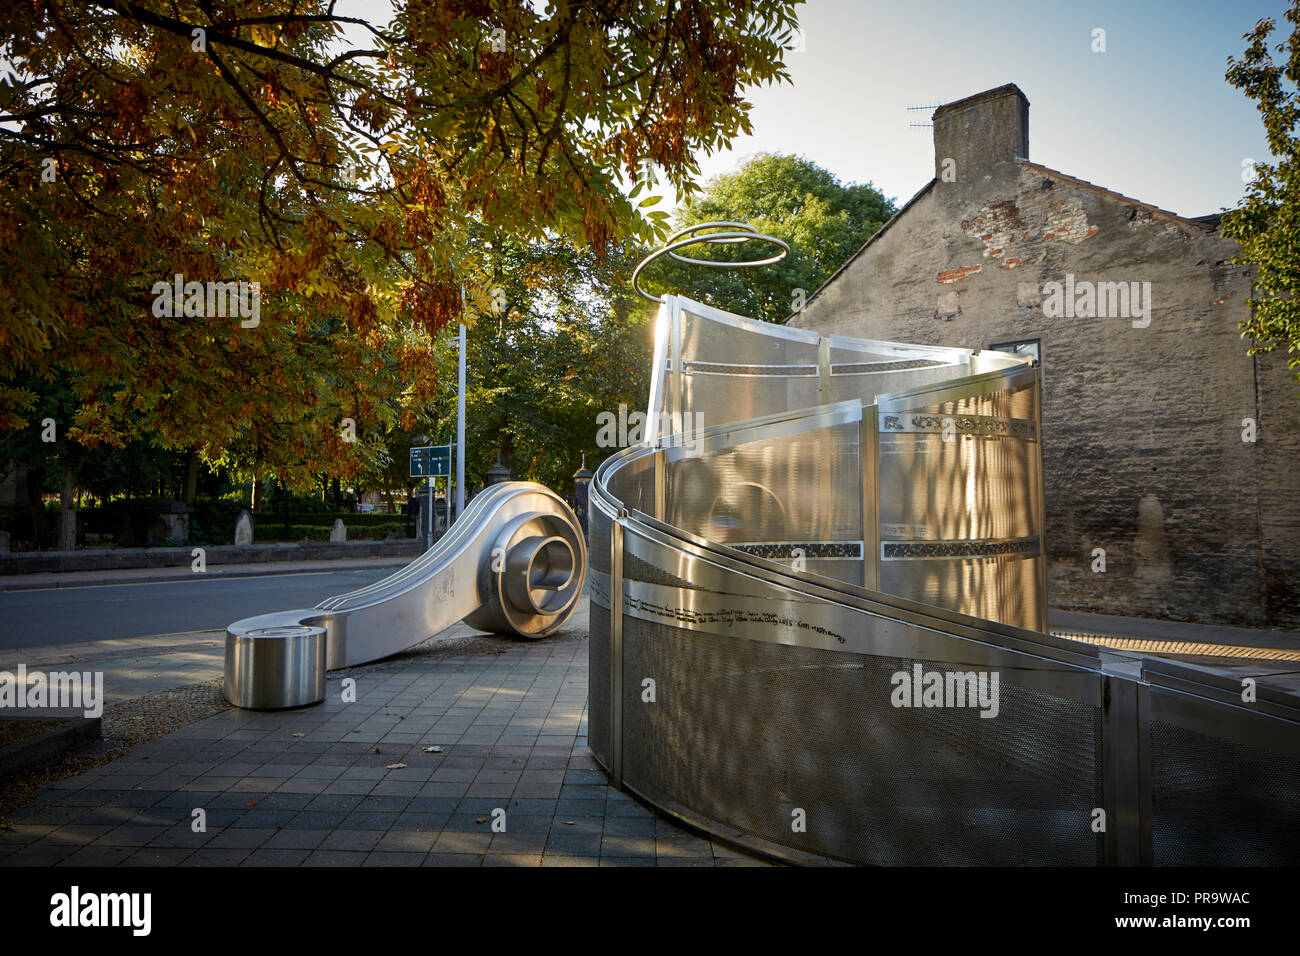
(1142, 427)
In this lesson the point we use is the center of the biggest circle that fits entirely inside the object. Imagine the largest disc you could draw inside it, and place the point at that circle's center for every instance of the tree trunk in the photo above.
(68, 523)
(283, 490)
(36, 504)
(191, 490)
(508, 452)
(257, 495)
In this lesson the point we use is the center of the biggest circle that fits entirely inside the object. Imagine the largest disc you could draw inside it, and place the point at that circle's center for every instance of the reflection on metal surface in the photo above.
(280, 666)
(852, 513)
(514, 563)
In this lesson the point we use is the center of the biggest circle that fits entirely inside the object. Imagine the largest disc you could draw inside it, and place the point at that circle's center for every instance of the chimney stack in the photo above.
(981, 135)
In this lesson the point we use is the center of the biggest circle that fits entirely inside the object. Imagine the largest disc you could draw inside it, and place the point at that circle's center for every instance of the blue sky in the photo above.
(1152, 117)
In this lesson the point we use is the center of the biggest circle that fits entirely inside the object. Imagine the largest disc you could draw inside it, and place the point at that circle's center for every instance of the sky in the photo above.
(1151, 117)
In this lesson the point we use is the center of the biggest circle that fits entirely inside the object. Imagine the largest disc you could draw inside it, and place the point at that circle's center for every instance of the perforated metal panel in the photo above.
(772, 681)
(598, 653)
(1219, 803)
(744, 733)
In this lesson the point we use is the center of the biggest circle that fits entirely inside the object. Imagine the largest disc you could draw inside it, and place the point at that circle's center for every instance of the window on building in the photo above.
(1030, 347)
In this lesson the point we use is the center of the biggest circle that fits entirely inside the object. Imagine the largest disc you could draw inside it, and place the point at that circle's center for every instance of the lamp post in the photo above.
(581, 492)
(460, 429)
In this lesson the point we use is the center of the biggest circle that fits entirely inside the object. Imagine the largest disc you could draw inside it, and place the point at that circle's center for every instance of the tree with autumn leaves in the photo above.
(349, 168)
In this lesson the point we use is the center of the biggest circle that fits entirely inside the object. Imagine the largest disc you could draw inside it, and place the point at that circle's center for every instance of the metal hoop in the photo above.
(687, 237)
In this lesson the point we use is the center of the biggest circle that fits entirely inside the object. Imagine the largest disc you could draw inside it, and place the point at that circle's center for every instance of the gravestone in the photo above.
(244, 528)
(172, 526)
(339, 532)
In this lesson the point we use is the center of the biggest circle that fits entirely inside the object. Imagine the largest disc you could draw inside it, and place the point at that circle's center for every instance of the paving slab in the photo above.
(350, 784)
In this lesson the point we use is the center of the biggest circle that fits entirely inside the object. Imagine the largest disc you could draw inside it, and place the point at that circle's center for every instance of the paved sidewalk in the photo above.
(82, 579)
(135, 666)
(355, 784)
(132, 667)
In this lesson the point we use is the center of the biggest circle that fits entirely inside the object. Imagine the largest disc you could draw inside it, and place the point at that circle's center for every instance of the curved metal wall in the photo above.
(817, 614)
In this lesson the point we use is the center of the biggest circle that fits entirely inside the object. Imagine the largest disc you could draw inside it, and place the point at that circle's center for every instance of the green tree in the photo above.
(51, 457)
(1267, 223)
(562, 339)
(823, 220)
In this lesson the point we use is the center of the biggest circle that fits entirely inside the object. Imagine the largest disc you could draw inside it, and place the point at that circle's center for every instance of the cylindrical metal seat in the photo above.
(270, 668)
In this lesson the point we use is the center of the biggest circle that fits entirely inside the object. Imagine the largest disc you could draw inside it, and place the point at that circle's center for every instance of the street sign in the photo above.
(433, 461)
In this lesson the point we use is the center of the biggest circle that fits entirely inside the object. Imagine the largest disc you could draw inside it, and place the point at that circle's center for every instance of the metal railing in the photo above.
(818, 628)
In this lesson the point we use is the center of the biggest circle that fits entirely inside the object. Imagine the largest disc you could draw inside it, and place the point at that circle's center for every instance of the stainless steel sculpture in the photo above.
(818, 625)
(514, 562)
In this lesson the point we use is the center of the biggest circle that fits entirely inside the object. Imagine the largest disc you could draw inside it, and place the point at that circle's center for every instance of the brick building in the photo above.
(1133, 312)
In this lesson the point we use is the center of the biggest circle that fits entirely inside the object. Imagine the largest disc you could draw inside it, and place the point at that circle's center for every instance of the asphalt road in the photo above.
(74, 615)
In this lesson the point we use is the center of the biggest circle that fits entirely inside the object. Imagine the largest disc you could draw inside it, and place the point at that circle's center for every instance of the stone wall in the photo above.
(1142, 411)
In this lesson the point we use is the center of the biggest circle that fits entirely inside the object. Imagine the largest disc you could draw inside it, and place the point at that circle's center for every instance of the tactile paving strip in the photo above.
(1184, 647)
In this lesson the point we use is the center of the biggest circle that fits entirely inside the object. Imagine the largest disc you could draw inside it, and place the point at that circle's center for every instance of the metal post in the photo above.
(824, 369)
(1128, 820)
(675, 347)
(428, 535)
(1040, 502)
(615, 767)
(870, 478)
(460, 428)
